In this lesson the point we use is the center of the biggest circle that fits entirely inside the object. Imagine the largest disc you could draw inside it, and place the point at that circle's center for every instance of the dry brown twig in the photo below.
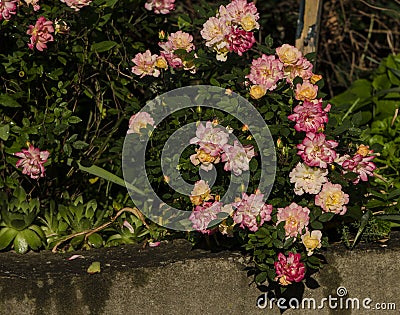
(87, 233)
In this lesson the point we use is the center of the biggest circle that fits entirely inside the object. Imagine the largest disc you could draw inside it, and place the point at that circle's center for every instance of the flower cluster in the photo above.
(288, 63)
(310, 176)
(232, 29)
(175, 53)
(181, 42)
(7, 9)
(249, 212)
(41, 33)
(32, 160)
(214, 147)
(359, 164)
(160, 6)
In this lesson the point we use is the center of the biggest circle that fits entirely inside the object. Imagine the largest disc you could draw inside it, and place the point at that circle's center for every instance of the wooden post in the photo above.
(308, 26)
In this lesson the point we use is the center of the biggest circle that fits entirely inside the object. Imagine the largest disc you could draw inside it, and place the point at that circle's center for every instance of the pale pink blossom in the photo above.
(160, 6)
(312, 241)
(145, 64)
(310, 117)
(209, 134)
(237, 157)
(32, 160)
(249, 208)
(315, 150)
(215, 31)
(296, 219)
(7, 9)
(306, 91)
(181, 40)
(201, 192)
(289, 269)
(240, 41)
(77, 4)
(34, 4)
(307, 179)
(266, 71)
(139, 121)
(40, 33)
(242, 13)
(203, 214)
(332, 198)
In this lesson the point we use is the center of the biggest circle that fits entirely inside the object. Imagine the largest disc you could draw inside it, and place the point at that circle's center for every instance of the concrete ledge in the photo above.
(174, 279)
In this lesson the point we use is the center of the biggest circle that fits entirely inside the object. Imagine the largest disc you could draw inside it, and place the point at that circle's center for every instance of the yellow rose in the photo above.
(312, 241)
(283, 281)
(306, 92)
(248, 23)
(205, 157)
(161, 63)
(363, 150)
(315, 78)
(257, 91)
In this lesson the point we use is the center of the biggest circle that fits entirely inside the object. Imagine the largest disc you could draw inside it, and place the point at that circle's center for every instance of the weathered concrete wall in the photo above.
(173, 279)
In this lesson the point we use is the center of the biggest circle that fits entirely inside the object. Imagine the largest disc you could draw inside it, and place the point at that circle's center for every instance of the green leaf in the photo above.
(184, 21)
(6, 236)
(277, 243)
(74, 120)
(98, 171)
(8, 101)
(381, 82)
(20, 244)
(363, 223)
(94, 268)
(316, 225)
(394, 217)
(103, 46)
(38, 230)
(213, 223)
(32, 239)
(4, 132)
(325, 217)
(261, 277)
(79, 145)
(95, 240)
(314, 260)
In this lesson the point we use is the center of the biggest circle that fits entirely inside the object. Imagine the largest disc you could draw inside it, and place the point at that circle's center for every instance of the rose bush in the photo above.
(77, 73)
